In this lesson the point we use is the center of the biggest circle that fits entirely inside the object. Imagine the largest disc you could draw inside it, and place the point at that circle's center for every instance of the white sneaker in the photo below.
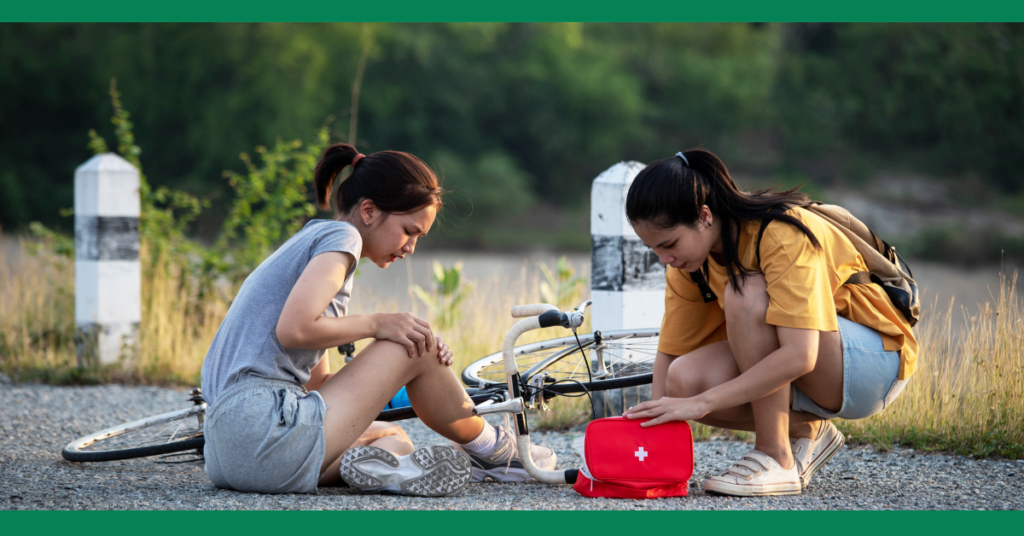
(504, 464)
(755, 474)
(427, 472)
(811, 454)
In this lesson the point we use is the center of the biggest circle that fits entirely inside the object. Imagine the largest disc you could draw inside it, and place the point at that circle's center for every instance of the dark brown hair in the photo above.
(670, 192)
(397, 182)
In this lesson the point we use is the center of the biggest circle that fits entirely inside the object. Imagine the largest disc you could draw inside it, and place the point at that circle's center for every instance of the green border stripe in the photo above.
(517, 11)
(455, 523)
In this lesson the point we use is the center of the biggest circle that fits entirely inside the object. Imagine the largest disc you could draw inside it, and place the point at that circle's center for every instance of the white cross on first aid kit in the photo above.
(641, 453)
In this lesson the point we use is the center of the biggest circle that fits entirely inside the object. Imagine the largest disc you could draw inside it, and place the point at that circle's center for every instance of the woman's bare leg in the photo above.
(750, 340)
(704, 368)
(356, 394)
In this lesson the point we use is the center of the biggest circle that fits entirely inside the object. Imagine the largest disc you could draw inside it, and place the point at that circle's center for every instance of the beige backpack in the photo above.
(882, 260)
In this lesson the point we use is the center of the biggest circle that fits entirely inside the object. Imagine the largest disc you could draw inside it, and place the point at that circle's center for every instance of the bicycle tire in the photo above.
(74, 452)
(110, 449)
(629, 361)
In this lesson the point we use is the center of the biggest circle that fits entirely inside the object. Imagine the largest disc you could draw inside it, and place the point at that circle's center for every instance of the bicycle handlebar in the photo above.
(522, 311)
(538, 315)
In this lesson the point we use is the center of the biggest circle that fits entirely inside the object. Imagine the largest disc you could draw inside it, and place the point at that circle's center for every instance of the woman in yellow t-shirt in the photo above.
(776, 342)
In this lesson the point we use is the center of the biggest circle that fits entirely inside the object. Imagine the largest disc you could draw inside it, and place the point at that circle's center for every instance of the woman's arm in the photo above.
(321, 373)
(796, 356)
(661, 363)
(301, 325)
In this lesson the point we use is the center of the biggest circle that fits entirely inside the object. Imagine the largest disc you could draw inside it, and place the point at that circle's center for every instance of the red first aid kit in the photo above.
(623, 460)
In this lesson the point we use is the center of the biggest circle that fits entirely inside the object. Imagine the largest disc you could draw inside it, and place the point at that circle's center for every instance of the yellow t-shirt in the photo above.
(805, 290)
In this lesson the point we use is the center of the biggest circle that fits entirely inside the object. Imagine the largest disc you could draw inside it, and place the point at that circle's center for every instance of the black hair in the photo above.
(397, 182)
(670, 192)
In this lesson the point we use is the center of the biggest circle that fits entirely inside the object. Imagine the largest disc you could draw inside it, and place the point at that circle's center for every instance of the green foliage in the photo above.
(952, 243)
(561, 287)
(272, 202)
(534, 111)
(518, 117)
(50, 241)
(448, 292)
(943, 98)
(484, 193)
(164, 212)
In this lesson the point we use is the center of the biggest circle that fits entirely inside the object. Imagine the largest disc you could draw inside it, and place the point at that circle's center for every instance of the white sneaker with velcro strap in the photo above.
(756, 473)
(812, 454)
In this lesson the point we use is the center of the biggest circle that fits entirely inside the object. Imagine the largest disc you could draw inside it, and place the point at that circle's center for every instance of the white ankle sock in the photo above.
(485, 443)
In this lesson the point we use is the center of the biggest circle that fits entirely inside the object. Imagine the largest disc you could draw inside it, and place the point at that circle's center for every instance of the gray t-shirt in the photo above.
(246, 343)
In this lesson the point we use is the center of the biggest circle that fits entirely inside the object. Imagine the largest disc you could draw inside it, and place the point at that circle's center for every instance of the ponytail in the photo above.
(397, 182)
(671, 192)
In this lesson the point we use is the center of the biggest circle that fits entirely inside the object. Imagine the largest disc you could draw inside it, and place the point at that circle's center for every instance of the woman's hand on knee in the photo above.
(444, 354)
(667, 409)
(406, 329)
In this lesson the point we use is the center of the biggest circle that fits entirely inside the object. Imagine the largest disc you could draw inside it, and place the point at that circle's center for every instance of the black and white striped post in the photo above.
(108, 305)
(627, 282)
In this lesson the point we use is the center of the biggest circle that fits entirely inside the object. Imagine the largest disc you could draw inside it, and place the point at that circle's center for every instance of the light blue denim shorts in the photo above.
(265, 436)
(869, 376)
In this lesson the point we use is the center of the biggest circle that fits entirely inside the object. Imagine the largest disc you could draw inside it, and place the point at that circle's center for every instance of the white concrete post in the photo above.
(627, 282)
(108, 306)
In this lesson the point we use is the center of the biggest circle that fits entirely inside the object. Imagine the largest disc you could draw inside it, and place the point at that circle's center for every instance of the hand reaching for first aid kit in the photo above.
(667, 409)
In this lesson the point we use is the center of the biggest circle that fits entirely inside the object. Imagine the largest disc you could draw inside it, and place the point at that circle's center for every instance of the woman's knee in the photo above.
(427, 359)
(684, 379)
(748, 302)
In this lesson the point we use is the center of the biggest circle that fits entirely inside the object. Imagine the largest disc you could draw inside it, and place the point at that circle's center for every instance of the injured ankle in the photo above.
(485, 443)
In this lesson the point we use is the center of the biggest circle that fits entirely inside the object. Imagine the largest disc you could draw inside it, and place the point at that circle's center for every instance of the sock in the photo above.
(485, 443)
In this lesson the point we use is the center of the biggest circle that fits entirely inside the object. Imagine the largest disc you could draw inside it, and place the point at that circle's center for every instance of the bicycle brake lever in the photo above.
(567, 319)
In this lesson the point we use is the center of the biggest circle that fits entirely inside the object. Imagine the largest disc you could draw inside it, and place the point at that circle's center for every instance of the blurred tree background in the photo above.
(519, 118)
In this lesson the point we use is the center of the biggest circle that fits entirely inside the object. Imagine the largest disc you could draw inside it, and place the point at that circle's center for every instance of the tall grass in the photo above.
(37, 308)
(37, 326)
(966, 395)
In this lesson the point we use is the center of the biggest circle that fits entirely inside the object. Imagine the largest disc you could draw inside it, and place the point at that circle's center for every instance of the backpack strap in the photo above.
(862, 278)
(760, 234)
(702, 283)
(859, 278)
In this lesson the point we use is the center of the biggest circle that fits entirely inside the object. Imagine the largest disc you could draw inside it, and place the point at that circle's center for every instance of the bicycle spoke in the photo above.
(159, 433)
(624, 356)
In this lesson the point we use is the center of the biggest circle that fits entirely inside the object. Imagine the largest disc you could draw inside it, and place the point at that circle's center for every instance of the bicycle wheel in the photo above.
(174, 431)
(617, 359)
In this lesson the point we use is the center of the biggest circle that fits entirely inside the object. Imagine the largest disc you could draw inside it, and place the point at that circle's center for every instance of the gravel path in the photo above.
(36, 421)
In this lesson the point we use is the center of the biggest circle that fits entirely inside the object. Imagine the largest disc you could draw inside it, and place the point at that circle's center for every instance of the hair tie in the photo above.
(680, 155)
(358, 157)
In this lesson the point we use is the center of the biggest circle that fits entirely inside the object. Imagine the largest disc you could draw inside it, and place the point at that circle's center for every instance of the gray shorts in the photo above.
(869, 376)
(265, 436)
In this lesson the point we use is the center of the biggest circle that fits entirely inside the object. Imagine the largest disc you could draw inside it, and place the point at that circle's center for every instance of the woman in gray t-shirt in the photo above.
(279, 421)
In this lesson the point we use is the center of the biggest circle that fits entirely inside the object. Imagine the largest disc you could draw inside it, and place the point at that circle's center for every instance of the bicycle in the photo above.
(555, 367)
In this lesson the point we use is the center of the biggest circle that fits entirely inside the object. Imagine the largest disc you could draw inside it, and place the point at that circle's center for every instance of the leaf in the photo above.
(426, 298)
(438, 273)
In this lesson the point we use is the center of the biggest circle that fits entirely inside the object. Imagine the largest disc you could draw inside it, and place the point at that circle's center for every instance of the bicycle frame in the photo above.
(536, 316)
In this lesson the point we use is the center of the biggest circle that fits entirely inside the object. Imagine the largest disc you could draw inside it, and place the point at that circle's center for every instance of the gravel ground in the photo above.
(36, 421)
